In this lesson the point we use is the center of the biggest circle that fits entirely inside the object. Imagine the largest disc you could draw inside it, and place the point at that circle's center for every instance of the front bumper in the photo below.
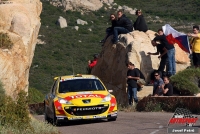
(88, 117)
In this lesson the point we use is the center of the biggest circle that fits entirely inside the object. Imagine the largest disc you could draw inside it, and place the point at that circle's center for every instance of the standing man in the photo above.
(132, 76)
(195, 44)
(124, 26)
(163, 54)
(170, 53)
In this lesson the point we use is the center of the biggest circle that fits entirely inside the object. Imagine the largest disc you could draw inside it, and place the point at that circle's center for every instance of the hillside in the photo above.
(67, 51)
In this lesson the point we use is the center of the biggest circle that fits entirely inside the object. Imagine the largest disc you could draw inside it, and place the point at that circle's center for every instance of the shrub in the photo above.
(15, 113)
(187, 81)
(5, 41)
(15, 119)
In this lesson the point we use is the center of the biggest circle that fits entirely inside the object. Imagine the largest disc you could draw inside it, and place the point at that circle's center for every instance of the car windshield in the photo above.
(79, 85)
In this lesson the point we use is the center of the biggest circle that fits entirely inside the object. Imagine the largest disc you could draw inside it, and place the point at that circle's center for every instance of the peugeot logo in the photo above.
(86, 101)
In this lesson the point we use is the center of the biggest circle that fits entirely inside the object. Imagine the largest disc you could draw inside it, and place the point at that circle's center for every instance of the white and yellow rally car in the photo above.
(79, 97)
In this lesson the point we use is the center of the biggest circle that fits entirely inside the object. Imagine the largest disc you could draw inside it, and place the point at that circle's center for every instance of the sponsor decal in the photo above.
(87, 108)
(99, 116)
(75, 118)
(86, 96)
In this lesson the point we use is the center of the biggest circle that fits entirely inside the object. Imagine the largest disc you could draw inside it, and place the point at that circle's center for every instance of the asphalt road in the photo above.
(126, 123)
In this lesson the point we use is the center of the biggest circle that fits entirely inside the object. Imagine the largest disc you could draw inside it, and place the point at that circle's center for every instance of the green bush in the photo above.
(187, 81)
(15, 118)
(15, 113)
(5, 41)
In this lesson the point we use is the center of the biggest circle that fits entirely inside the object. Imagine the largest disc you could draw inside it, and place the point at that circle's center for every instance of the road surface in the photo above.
(126, 123)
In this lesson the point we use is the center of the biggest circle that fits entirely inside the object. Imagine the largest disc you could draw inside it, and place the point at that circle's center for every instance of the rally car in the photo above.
(79, 97)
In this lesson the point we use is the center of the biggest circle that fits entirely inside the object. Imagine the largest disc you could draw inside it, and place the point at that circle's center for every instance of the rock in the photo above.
(76, 27)
(81, 22)
(20, 19)
(84, 4)
(111, 66)
(62, 22)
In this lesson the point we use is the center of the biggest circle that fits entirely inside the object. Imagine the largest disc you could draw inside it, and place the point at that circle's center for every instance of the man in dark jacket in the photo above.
(124, 26)
(140, 23)
(132, 76)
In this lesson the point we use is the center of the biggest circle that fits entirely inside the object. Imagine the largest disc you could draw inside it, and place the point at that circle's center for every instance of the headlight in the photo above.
(107, 98)
(63, 101)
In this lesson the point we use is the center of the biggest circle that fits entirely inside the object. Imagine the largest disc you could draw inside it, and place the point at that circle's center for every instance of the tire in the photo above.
(46, 118)
(55, 122)
(112, 119)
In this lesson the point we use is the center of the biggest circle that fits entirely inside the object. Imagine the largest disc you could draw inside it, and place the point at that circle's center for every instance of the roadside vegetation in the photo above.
(16, 119)
(187, 82)
(67, 51)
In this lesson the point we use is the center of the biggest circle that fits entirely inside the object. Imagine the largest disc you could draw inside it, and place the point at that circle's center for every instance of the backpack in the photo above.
(141, 74)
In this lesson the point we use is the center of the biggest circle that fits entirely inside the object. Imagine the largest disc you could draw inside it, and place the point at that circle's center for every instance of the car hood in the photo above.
(85, 98)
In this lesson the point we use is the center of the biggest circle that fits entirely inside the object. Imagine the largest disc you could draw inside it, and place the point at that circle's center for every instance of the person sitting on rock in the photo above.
(163, 54)
(158, 85)
(124, 26)
(92, 63)
(140, 23)
(168, 88)
(109, 30)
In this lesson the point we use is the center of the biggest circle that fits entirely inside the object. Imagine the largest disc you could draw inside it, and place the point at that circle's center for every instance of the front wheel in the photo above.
(46, 118)
(112, 119)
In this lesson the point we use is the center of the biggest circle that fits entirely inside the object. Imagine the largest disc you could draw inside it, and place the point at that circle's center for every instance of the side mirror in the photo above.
(110, 91)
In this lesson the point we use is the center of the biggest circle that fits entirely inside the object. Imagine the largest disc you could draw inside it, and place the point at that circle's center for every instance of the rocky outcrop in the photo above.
(20, 19)
(111, 66)
(84, 4)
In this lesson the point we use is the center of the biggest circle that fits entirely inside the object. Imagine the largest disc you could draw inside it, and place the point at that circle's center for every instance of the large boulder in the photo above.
(133, 47)
(20, 20)
(84, 4)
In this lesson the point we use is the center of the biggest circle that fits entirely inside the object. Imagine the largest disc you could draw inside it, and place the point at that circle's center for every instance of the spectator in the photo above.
(109, 30)
(170, 53)
(157, 85)
(163, 55)
(140, 23)
(124, 26)
(141, 82)
(92, 63)
(132, 77)
(195, 44)
(168, 88)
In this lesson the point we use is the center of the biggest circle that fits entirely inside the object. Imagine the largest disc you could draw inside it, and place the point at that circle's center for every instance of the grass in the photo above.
(35, 96)
(63, 54)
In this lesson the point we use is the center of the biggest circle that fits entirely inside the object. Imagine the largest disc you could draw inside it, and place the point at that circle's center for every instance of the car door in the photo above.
(51, 97)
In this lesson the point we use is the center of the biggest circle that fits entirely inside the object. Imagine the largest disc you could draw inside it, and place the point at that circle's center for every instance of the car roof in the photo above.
(77, 76)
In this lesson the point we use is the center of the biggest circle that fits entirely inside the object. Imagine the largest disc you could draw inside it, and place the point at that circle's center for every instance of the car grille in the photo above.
(87, 110)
